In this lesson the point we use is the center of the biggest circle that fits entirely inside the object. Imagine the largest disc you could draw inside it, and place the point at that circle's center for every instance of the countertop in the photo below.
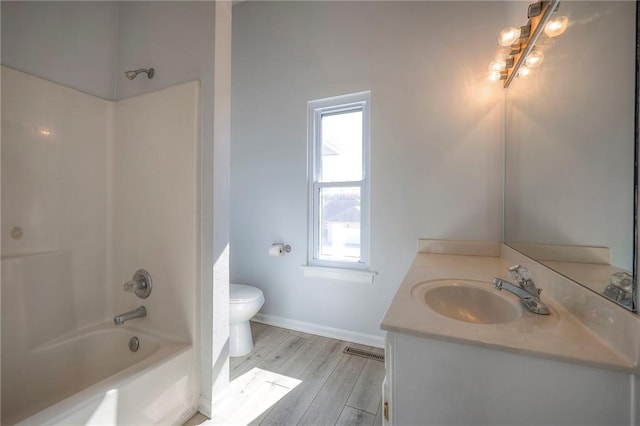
(559, 336)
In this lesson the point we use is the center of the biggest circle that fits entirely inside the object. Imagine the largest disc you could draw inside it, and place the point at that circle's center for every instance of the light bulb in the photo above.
(534, 59)
(497, 65)
(494, 76)
(508, 36)
(556, 26)
(503, 52)
(524, 72)
(497, 76)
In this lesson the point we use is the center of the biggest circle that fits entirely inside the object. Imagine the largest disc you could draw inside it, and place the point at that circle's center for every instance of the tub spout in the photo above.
(139, 312)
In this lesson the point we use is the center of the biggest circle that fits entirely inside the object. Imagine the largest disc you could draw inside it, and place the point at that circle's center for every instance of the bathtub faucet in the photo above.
(138, 312)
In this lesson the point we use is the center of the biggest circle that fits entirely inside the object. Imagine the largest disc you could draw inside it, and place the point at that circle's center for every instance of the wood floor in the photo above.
(293, 378)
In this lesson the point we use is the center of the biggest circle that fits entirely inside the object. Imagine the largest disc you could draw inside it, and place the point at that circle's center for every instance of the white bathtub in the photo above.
(92, 377)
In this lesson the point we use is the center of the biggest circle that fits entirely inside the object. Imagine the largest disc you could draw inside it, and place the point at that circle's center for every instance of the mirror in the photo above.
(570, 151)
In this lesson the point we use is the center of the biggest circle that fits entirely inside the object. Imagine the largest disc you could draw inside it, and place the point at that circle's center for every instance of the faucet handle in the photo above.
(519, 273)
(141, 284)
(131, 285)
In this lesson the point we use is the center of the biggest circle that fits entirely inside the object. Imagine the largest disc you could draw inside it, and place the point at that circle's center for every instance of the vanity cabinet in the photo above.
(438, 382)
(579, 365)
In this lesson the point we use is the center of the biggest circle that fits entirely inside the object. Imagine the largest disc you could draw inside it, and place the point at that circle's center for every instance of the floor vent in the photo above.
(364, 354)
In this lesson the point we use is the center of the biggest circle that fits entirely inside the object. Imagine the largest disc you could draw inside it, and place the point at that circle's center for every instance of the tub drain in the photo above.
(134, 344)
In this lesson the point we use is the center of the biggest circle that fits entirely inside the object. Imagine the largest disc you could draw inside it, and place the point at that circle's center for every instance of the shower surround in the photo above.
(93, 190)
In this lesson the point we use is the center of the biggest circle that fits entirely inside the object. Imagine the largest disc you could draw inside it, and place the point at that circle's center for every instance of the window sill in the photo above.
(354, 275)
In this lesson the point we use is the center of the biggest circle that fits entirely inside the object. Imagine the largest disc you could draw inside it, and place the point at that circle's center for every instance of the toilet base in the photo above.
(240, 339)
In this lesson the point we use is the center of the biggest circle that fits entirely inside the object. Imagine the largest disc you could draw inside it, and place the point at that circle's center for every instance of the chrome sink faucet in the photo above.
(138, 312)
(525, 289)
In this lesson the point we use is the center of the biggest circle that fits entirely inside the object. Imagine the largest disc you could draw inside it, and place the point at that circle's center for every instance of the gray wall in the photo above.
(436, 139)
(71, 43)
(176, 38)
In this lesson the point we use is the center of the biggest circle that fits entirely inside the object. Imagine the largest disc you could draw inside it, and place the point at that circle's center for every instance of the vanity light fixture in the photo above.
(522, 55)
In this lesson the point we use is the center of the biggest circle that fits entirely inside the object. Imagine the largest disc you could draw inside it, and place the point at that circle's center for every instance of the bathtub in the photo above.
(92, 377)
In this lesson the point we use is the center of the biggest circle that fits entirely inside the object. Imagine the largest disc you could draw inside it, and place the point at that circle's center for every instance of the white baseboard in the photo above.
(321, 330)
(204, 406)
(182, 419)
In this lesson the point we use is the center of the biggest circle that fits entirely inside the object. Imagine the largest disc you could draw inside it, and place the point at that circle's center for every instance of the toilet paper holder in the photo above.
(279, 249)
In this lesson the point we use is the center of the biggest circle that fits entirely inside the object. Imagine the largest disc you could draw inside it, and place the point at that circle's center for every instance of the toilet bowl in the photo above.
(244, 302)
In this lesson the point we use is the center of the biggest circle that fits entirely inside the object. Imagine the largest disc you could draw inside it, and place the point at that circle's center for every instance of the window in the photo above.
(339, 181)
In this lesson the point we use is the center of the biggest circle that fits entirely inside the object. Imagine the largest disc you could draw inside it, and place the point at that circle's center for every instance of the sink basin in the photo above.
(470, 301)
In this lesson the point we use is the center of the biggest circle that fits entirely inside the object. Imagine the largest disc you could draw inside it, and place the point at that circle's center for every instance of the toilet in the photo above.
(244, 302)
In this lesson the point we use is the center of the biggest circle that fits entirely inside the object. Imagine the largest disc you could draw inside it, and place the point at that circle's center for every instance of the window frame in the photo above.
(360, 101)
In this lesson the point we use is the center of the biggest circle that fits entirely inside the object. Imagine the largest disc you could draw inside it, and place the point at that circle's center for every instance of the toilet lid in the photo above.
(240, 293)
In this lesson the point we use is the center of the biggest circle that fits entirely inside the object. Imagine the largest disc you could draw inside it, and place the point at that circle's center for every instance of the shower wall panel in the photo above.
(54, 181)
(155, 205)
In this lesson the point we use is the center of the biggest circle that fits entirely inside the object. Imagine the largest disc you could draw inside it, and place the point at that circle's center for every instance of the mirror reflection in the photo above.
(569, 194)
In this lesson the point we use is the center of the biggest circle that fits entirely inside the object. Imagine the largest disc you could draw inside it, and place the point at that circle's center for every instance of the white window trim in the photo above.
(361, 100)
(358, 276)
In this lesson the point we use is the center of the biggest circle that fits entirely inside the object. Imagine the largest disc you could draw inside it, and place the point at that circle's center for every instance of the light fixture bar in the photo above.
(537, 26)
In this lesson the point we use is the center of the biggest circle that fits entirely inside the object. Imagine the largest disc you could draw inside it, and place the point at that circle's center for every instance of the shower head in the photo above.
(131, 74)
